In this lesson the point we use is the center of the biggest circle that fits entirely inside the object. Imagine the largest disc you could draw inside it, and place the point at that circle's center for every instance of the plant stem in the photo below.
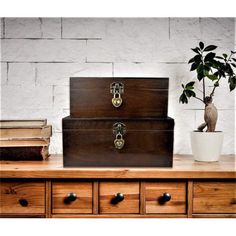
(204, 90)
(213, 90)
(199, 99)
(203, 81)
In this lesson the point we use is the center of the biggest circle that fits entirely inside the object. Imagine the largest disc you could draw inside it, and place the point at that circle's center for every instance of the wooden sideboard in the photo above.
(189, 189)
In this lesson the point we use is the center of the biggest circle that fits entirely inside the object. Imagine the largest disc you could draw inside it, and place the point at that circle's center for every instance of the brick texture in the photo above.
(38, 55)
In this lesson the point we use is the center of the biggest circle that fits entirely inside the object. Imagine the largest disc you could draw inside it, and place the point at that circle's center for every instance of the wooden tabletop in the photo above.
(183, 167)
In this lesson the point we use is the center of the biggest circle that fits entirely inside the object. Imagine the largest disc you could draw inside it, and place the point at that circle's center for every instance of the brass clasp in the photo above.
(116, 88)
(119, 130)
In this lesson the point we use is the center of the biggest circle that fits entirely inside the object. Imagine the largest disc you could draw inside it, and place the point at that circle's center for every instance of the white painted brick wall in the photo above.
(21, 74)
(38, 55)
(182, 28)
(22, 28)
(59, 73)
(29, 96)
(43, 50)
(51, 28)
(3, 73)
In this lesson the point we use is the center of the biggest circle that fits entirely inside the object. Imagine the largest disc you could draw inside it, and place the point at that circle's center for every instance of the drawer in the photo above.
(22, 197)
(119, 197)
(165, 197)
(214, 197)
(72, 197)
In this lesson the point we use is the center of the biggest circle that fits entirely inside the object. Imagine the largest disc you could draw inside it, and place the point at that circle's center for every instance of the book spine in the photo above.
(23, 153)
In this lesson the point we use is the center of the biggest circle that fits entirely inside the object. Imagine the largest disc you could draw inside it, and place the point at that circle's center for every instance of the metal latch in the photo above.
(119, 130)
(116, 88)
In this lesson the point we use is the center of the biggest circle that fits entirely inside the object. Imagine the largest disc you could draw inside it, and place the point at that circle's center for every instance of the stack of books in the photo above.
(24, 139)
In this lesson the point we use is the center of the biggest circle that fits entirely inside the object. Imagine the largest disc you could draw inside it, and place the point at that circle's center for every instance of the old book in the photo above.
(43, 132)
(24, 153)
(22, 123)
(24, 143)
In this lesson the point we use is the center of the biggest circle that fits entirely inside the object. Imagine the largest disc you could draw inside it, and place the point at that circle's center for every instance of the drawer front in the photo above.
(165, 197)
(214, 197)
(72, 197)
(110, 197)
(22, 197)
(92, 97)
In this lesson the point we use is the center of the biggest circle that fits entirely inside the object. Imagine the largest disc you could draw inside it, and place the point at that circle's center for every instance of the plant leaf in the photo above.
(193, 67)
(209, 57)
(207, 67)
(190, 93)
(190, 84)
(201, 45)
(212, 77)
(232, 83)
(218, 57)
(229, 69)
(191, 60)
(234, 59)
(200, 76)
(210, 48)
(200, 69)
(197, 49)
(198, 59)
(224, 55)
(183, 98)
(231, 87)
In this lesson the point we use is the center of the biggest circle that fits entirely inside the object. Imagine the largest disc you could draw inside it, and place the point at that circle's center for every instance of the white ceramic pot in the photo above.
(206, 146)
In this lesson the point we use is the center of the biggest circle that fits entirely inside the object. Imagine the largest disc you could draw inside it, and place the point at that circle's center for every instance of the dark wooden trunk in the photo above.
(142, 97)
(90, 143)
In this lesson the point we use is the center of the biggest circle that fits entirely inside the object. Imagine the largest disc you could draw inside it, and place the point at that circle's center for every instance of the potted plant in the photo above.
(206, 146)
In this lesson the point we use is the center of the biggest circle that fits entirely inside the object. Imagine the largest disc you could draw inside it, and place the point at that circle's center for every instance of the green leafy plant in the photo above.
(209, 66)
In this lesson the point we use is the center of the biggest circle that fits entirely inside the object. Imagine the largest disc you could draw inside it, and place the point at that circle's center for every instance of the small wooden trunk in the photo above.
(92, 142)
(118, 97)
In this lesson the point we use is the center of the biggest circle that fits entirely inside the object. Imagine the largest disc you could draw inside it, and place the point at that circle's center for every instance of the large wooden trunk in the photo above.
(141, 97)
(148, 142)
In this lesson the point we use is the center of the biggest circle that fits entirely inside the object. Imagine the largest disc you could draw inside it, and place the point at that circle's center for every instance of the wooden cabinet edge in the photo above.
(119, 216)
(214, 215)
(126, 174)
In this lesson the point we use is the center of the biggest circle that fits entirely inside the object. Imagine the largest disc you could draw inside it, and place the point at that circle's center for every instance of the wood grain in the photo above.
(33, 192)
(184, 167)
(142, 197)
(190, 199)
(95, 197)
(119, 216)
(83, 203)
(148, 143)
(214, 197)
(107, 192)
(154, 190)
(214, 216)
(48, 203)
(142, 97)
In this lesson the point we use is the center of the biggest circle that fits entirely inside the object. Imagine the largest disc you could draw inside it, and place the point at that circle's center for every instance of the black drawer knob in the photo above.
(164, 198)
(119, 197)
(23, 202)
(71, 197)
